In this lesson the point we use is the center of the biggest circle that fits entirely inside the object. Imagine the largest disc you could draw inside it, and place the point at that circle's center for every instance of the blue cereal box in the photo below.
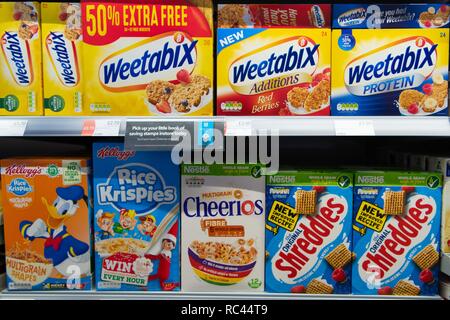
(136, 202)
(308, 232)
(396, 233)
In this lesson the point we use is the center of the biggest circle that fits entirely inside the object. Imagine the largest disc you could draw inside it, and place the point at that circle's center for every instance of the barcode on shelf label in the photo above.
(13, 128)
(354, 127)
(238, 128)
(19, 286)
(101, 128)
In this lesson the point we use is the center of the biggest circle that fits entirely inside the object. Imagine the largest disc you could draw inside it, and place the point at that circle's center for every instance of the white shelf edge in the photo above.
(445, 264)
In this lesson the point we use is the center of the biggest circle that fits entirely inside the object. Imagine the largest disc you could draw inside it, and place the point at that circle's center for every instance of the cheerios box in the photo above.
(222, 217)
(62, 58)
(136, 224)
(396, 233)
(380, 72)
(148, 58)
(308, 232)
(273, 71)
(20, 59)
(46, 203)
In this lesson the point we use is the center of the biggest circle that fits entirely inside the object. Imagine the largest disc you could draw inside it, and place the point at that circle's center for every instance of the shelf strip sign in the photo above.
(354, 127)
(101, 127)
(238, 127)
(13, 128)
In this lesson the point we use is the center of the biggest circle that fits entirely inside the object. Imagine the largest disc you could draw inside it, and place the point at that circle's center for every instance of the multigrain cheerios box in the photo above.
(396, 233)
(223, 212)
(277, 65)
(20, 59)
(387, 62)
(308, 232)
(62, 56)
(156, 56)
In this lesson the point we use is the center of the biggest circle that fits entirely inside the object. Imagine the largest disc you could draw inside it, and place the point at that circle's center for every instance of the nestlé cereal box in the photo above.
(223, 228)
(47, 223)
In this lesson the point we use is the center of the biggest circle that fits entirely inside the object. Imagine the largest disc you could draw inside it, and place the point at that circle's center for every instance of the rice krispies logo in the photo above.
(135, 186)
(17, 55)
(396, 66)
(19, 187)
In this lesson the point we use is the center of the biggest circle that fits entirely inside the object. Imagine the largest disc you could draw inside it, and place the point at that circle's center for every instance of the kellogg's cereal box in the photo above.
(390, 72)
(148, 58)
(396, 233)
(223, 228)
(136, 201)
(308, 232)
(47, 223)
(21, 59)
(62, 45)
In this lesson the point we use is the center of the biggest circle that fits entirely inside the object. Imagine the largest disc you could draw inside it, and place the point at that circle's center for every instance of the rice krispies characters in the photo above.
(136, 199)
(308, 232)
(396, 233)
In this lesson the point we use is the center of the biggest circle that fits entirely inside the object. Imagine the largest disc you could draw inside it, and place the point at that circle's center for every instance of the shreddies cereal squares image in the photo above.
(136, 202)
(308, 232)
(62, 50)
(223, 228)
(47, 223)
(20, 59)
(396, 233)
(156, 56)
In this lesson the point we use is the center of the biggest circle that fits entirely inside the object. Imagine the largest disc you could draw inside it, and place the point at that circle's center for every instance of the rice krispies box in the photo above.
(20, 59)
(223, 211)
(308, 232)
(396, 233)
(136, 202)
(156, 56)
(47, 223)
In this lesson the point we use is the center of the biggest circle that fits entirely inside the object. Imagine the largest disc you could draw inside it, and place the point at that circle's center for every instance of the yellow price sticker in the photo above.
(371, 216)
(283, 215)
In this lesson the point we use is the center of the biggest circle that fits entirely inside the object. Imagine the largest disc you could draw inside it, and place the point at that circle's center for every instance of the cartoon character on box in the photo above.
(148, 225)
(105, 222)
(60, 246)
(127, 221)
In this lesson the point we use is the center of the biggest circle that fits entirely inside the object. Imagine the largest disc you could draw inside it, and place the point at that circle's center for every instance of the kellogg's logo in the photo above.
(63, 55)
(161, 57)
(115, 152)
(396, 66)
(28, 172)
(135, 186)
(352, 17)
(18, 57)
(19, 187)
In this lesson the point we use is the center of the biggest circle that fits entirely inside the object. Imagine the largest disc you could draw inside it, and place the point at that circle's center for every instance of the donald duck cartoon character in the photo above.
(60, 246)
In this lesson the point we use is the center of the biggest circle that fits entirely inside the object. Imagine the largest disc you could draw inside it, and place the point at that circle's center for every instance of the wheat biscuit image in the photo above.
(297, 96)
(409, 97)
(319, 96)
(404, 288)
(231, 16)
(339, 257)
(305, 202)
(394, 202)
(427, 258)
(318, 287)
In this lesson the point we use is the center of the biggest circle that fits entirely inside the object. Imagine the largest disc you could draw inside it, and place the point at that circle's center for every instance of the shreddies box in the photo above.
(396, 233)
(136, 201)
(308, 232)
(273, 71)
(61, 48)
(390, 72)
(223, 228)
(156, 56)
(20, 59)
(47, 223)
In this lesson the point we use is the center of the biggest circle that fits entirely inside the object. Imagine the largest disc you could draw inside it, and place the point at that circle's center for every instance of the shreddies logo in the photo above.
(18, 57)
(397, 66)
(28, 172)
(299, 251)
(63, 55)
(132, 68)
(115, 152)
(352, 17)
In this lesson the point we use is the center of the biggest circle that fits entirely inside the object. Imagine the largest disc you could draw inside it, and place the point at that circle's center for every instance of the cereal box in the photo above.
(20, 59)
(61, 46)
(223, 228)
(148, 58)
(273, 71)
(396, 233)
(390, 72)
(371, 16)
(308, 232)
(273, 15)
(136, 201)
(47, 223)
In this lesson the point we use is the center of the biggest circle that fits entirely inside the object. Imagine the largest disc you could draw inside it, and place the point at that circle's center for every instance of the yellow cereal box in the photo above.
(61, 55)
(20, 59)
(148, 58)
(47, 223)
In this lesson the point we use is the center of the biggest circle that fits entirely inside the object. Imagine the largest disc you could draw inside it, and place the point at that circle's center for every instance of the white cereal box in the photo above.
(223, 212)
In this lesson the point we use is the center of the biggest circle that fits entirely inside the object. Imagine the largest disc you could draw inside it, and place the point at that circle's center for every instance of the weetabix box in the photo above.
(21, 59)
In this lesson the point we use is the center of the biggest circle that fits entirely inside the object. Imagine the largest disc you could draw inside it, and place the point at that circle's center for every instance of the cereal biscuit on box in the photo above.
(25, 32)
(444, 14)
(159, 90)
(319, 95)
(297, 97)
(23, 7)
(231, 16)
(202, 82)
(429, 104)
(305, 202)
(409, 97)
(72, 34)
(440, 92)
(339, 257)
(404, 288)
(426, 16)
(394, 202)
(427, 258)
(185, 97)
(318, 287)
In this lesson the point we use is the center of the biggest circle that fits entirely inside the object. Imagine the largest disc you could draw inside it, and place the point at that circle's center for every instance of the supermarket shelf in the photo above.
(445, 263)
(283, 126)
(192, 296)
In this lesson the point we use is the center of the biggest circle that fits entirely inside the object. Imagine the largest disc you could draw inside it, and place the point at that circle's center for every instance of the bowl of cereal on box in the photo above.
(222, 263)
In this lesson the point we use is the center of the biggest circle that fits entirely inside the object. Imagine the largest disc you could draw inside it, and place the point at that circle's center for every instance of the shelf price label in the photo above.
(238, 128)
(13, 128)
(101, 128)
(354, 127)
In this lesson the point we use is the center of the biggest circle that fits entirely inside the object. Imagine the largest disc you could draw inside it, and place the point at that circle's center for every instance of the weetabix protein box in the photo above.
(148, 58)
